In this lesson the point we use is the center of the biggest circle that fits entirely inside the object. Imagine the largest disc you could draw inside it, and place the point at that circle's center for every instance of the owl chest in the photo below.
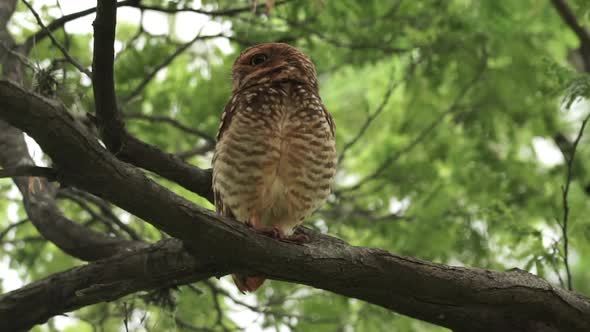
(275, 160)
(277, 140)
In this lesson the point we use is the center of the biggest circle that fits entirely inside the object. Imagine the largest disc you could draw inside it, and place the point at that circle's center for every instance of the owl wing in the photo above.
(226, 117)
(330, 120)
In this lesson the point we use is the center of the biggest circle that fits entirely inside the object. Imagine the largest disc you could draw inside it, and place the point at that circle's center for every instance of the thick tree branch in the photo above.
(168, 166)
(110, 123)
(459, 298)
(46, 172)
(116, 138)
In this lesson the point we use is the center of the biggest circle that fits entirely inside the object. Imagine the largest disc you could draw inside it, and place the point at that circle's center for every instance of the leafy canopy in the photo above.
(448, 114)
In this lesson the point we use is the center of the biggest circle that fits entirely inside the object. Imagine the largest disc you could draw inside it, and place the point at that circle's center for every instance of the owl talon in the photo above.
(297, 238)
(278, 234)
(274, 232)
(255, 222)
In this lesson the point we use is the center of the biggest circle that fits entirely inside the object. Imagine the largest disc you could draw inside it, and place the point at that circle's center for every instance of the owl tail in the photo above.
(247, 284)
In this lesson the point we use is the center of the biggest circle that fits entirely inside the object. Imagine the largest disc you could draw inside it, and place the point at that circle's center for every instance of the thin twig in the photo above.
(583, 35)
(553, 263)
(150, 76)
(95, 216)
(453, 107)
(67, 55)
(140, 31)
(58, 23)
(201, 150)
(189, 327)
(25, 240)
(566, 209)
(174, 123)
(393, 84)
(220, 12)
(67, 42)
(125, 317)
(11, 226)
(264, 309)
(104, 207)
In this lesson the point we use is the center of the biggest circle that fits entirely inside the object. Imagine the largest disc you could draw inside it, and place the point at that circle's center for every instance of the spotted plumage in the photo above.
(275, 158)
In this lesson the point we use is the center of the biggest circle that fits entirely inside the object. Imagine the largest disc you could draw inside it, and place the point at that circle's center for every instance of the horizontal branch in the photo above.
(164, 264)
(463, 299)
(219, 12)
(209, 139)
(60, 22)
(168, 166)
(46, 172)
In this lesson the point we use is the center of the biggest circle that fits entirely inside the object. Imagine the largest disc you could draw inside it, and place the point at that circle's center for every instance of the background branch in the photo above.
(209, 140)
(60, 22)
(419, 138)
(11, 226)
(570, 19)
(167, 61)
(393, 84)
(65, 53)
(566, 209)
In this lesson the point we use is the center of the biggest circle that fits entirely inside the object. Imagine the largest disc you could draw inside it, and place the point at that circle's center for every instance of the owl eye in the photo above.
(257, 59)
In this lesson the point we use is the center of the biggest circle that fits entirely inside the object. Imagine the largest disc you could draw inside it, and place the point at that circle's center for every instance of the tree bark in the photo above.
(463, 299)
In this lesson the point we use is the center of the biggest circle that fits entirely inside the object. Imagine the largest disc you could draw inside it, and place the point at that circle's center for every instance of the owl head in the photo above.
(272, 62)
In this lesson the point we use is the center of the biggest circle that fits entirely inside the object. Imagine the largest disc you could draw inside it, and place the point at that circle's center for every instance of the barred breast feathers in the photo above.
(276, 154)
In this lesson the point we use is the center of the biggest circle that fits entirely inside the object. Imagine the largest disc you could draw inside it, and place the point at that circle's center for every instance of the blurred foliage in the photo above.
(465, 104)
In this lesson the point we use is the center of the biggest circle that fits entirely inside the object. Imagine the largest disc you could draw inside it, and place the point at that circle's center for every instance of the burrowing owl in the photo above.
(276, 152)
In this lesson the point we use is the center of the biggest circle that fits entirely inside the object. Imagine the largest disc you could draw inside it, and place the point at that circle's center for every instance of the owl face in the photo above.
(272, 62)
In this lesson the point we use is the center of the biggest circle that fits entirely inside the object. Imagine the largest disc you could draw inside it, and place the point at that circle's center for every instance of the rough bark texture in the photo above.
(41, 207)
(459, 298)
